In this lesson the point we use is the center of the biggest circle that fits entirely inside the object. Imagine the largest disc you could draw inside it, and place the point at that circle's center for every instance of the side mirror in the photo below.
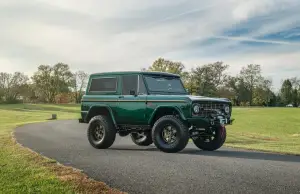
(187, 90)
(132, 92)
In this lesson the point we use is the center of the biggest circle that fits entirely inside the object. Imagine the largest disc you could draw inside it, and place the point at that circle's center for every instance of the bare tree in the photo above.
(12, 86)
(79, 82)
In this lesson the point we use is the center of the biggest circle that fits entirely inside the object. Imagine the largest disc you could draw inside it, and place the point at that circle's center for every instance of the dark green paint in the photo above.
(139, 109)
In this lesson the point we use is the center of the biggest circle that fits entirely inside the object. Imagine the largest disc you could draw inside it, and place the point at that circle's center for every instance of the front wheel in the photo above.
(170, 134)
(212, 141)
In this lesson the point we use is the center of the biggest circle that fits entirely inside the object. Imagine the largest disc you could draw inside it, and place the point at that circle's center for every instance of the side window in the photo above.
(103, 85)
(142, 87)
(129, 82)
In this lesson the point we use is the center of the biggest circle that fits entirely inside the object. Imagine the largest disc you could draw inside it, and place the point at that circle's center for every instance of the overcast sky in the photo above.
(109, 35)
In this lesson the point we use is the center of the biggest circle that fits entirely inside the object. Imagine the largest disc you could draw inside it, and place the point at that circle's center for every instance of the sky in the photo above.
(115, 35)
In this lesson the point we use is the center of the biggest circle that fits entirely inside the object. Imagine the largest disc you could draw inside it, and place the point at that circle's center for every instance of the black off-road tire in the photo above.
(109, 132)
(146, 141)
(215, 143)
(181, 129)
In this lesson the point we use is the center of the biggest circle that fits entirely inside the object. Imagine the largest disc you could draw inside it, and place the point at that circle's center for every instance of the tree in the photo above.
(296, 91)
(299, 97)
(295, 97)
(79, 82)
(189, 83)
(31, 94)
(267, 87)
(251, 76)
(262, 93)
(209, 78)
(295, 82)
(12, 86)
(52, 80)
(238, 87)
(164, 65)
(286, 92)
(273, 100)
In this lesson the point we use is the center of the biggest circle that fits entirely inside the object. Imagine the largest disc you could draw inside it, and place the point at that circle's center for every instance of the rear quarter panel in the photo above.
(97, 100)
(91, 99)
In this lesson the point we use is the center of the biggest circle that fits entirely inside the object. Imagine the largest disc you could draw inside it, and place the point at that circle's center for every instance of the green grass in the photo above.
(23, 171)
(266, 129)
(18, 173)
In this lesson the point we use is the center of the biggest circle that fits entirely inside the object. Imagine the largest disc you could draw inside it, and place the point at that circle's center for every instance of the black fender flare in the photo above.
(170, 107)
(102, 106)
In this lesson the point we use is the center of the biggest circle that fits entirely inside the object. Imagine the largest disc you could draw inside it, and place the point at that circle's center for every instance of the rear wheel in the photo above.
(101, 132)
(141, 138)
(213, 140)
(169, 134)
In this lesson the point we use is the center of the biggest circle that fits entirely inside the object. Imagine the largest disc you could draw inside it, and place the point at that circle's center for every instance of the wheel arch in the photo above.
(165, 110)
(100, 110)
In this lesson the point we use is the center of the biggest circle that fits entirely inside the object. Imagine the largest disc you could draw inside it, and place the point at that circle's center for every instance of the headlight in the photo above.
(227, 109)
(196, 109)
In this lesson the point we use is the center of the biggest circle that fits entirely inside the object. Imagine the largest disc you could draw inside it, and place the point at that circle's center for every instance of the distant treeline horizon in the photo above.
(59, 84)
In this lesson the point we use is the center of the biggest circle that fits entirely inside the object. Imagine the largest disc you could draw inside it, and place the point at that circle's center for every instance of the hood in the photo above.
(204, 98)
(190, 97)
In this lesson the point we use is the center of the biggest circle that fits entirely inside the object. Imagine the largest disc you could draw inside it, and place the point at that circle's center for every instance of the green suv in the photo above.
(152, 107)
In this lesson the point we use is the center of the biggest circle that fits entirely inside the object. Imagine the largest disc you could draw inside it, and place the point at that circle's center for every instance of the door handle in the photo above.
(121, 96)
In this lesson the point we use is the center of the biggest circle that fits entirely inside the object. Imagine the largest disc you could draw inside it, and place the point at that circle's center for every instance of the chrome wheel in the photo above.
(99, 132)
(142, 138)
(139, 136)
(169, 134)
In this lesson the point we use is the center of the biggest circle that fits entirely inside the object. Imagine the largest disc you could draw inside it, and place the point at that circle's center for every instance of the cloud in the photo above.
(127, 35)
(257, 40)
(245, 9)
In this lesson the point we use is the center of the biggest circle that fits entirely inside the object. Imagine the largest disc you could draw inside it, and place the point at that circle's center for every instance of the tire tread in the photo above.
(110, 132)
(183, 141)
(211, 146)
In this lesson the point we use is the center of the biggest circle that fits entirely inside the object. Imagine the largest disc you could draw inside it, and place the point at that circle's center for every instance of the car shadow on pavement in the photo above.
(138, 149)
(243, 154)
(225, 152)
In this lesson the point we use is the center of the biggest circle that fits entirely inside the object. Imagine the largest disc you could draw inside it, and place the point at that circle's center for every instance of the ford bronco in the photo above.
(152, 107)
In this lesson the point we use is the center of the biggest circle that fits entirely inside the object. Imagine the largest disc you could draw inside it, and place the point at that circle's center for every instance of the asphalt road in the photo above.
(135, 169)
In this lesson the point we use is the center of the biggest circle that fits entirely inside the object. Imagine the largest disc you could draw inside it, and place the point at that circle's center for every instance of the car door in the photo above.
(132, 101)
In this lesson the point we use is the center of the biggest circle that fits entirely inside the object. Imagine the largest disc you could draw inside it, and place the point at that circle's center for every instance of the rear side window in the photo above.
(103, 85)
(129, 83)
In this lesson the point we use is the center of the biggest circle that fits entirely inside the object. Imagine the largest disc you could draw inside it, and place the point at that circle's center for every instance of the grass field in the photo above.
(266, 129)
(22, 171)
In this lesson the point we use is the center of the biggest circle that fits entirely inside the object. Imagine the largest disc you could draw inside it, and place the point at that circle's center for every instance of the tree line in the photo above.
(58, 84)
(247, 88)
(49, 84)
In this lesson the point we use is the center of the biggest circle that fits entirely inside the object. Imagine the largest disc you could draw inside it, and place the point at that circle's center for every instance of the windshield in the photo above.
(164, 84)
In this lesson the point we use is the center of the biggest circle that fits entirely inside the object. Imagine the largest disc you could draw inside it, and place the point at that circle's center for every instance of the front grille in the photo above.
(208, 108)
